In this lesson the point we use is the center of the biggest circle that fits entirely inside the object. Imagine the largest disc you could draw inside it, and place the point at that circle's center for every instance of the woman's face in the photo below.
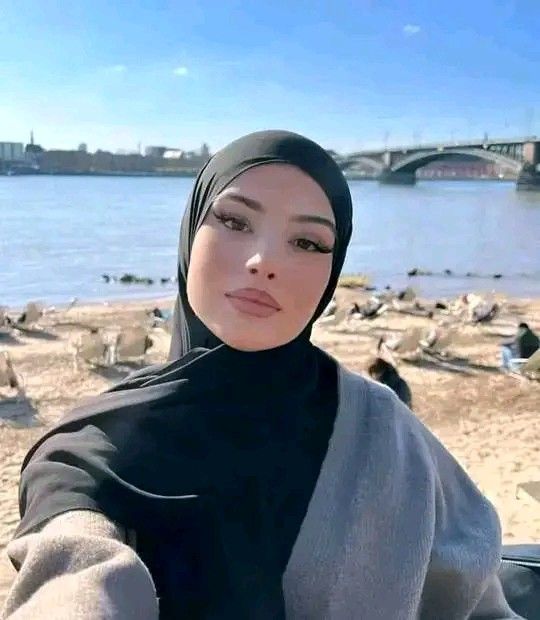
(262, 258)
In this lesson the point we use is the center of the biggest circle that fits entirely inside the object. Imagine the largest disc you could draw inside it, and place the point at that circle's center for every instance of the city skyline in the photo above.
(140, 149)
(150, 149)
(351, 77)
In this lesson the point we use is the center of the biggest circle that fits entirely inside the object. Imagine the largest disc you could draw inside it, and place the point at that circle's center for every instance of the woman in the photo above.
(252, 476)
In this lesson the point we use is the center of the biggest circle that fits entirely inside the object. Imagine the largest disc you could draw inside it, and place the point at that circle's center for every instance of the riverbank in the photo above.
(487, 419)
(14, 172)
(357, 176)
(192, 173)
(429, 284)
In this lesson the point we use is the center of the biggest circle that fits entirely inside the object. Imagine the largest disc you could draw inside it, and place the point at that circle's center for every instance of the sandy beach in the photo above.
(489, 420)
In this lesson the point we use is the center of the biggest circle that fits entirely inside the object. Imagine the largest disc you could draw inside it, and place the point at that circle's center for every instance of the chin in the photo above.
(249, 345)
(249, 335)
(242, 340)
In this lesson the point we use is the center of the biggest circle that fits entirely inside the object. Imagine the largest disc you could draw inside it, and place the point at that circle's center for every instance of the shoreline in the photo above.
(175, 174)
(192, 173)
(479, 284)
(360, 177)
(89, 302)
(169, 300)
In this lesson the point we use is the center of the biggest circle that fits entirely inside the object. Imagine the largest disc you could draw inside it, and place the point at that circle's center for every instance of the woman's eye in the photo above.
(232, 223)
(311, 246)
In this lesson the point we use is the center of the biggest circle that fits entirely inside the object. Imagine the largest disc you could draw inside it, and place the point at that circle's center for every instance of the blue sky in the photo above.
(351, 75)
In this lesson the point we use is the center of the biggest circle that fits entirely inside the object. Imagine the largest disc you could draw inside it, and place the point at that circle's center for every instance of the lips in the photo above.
(256, 296)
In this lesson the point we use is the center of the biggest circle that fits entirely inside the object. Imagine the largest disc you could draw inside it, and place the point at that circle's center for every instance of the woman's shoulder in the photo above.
(381, 414)
(407, 445)
(387, 430)
(377, 404)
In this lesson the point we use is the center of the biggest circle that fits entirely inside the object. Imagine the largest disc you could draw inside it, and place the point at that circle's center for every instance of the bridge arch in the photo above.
(410, 164)
(355, 160)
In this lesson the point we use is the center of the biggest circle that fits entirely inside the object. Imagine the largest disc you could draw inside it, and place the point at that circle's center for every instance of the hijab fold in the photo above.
(212, 456)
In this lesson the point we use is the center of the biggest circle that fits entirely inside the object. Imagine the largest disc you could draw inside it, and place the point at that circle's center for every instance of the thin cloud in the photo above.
(180, 71)
(117, 69)
(409, 30)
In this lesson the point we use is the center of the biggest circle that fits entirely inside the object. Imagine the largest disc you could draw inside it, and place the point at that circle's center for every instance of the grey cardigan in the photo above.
(395, 530)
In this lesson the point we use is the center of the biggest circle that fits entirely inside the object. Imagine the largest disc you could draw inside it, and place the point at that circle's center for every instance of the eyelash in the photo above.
(225, 218)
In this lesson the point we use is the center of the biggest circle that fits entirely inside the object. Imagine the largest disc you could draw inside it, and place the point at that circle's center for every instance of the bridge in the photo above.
(398, 165)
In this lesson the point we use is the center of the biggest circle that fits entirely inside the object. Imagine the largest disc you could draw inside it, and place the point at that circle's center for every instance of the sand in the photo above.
(489, 420)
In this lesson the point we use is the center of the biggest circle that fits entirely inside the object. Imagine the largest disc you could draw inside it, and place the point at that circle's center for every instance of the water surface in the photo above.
(59, 234)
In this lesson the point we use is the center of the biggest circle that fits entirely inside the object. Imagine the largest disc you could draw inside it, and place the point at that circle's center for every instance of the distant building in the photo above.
(155, 151)
(205, 151)
(11, 151)
(33, 149)
(126, 152)
(64, 161)
(173, 154)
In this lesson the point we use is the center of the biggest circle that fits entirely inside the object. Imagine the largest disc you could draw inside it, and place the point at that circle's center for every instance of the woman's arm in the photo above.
(467, 545)
(76, 568)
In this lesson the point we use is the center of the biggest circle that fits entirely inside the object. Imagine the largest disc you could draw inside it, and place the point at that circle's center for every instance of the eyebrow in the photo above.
(257, 206)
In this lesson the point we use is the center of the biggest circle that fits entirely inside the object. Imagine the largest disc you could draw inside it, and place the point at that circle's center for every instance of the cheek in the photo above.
(310, 276)
(210, 259)
(201, 270)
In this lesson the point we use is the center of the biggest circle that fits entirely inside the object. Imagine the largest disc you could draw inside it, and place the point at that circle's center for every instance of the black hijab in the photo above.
(211, 458)
(262, 147)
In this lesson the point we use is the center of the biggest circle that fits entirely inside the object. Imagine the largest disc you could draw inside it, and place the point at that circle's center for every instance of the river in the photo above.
(59, 234)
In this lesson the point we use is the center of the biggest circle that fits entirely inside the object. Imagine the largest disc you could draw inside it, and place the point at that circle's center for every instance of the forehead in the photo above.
(283, 187)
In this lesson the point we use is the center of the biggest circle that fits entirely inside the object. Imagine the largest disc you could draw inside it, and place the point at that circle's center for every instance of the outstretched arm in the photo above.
(78, 566)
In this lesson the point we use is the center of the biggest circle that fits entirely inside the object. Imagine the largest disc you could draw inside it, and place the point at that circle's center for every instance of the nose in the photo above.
(259, 265)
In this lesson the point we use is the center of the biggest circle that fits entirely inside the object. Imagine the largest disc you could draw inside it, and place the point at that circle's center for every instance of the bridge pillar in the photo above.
(529, 177)
(388, 177)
